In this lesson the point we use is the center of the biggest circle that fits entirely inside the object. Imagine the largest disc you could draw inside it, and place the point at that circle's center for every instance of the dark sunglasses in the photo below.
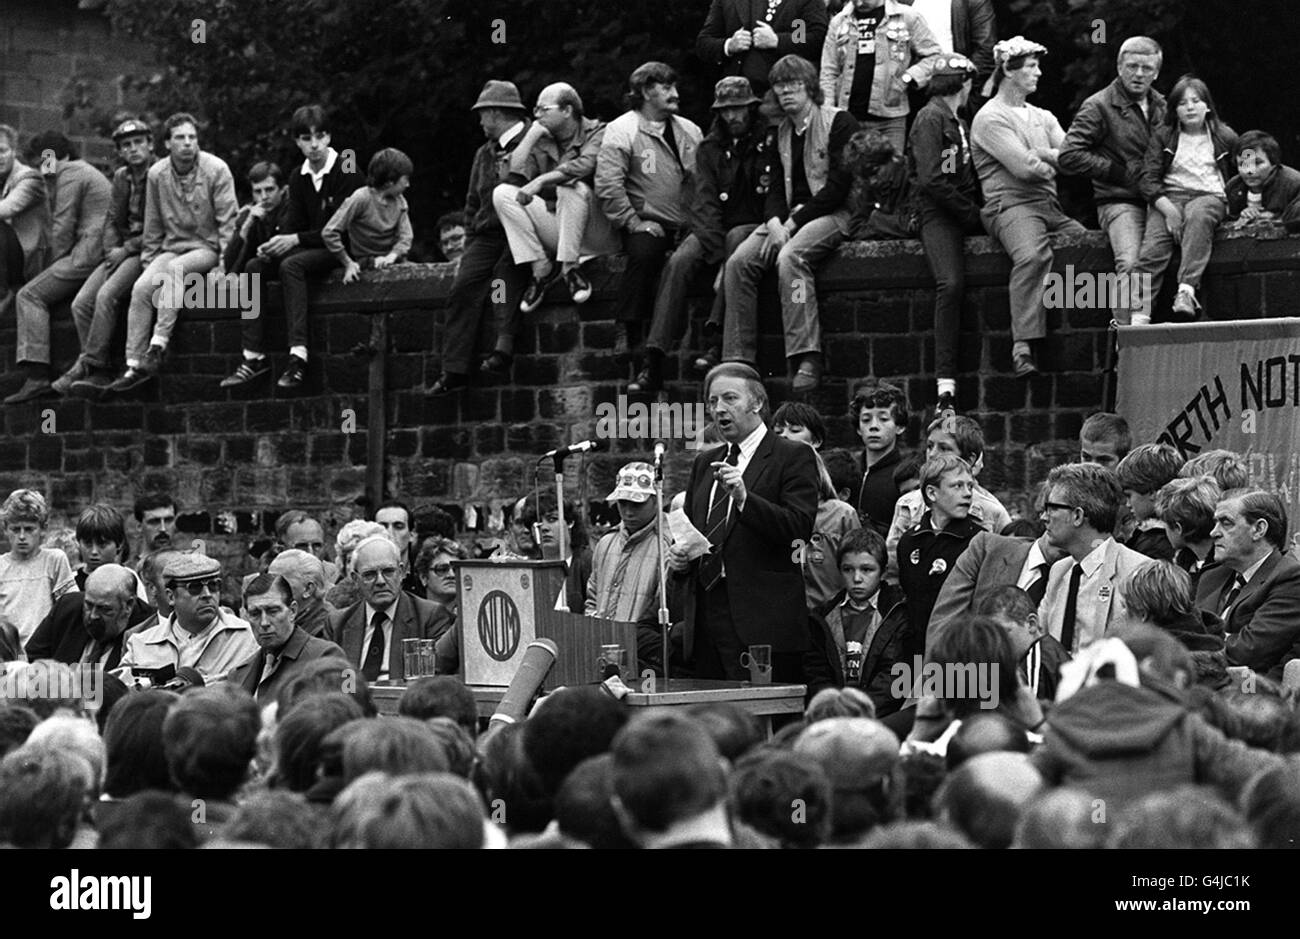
(195, 588)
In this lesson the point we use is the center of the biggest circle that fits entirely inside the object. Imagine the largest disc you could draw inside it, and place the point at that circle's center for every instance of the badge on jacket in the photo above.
(915, 557)
(1103, 593)
(939, 566)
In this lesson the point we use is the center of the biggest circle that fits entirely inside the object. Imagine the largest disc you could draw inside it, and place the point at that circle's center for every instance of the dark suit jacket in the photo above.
(62, 635)
(1264, 623)
(765, 586)
(727, 16)
(300, 650)
(989, 562)
(414, 618)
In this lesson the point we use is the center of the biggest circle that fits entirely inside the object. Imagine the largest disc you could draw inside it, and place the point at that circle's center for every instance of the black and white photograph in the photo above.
(659, 424)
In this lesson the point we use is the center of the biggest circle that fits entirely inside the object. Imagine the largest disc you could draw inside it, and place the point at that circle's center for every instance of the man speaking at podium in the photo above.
(755, 500)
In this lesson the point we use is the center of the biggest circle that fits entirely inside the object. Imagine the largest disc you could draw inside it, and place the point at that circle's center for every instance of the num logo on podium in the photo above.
(498, 625)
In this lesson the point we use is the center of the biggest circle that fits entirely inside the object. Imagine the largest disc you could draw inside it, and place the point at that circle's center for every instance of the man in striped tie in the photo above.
(755, 500)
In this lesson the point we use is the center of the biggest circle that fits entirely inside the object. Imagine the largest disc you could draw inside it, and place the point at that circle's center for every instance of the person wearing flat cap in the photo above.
(198, 634)
(1016, 147)
(624, 582)
(733, 172)
(949, 200)
(487, 259)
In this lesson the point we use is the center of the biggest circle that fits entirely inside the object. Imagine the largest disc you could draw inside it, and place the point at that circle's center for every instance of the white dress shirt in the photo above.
(317, 178)
(1029, 572)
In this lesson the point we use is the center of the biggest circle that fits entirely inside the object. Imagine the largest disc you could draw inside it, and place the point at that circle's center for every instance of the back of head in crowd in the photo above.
(428, 810)
(1159, 593)
(1271, 803)
(1223, 466)
(1146, 468)
(275, 819)
(209, 738)
(734, 730)
(983, 798)
(16, 725)
(42, 792)
(860, 759)
(150, 819)
(300, 735)
(583, 807)
(1062, 818)
(970, 648)
(1186, 817)
(395, 745)
(1186, 506)
(985, 733)
(1104, 439)
(440, 696)
(839, 702)
(666, 770)
(323, 676)
(570, 726)
(783, 795)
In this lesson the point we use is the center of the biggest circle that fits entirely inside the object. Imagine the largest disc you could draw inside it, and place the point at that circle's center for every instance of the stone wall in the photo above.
(257, 450)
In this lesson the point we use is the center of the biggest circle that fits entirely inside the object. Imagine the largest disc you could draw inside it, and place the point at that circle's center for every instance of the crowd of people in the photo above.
(1118, 665)
(880, 120)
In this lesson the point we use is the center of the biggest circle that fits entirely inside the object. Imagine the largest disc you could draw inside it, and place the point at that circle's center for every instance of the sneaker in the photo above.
(92, 386)
(536, 290)
(249, 370)
(134, 377)
(578, 286)
(711, 357)
(153, 360)
(1185, 304)
(808, 377)
(63, 384)
(32, 389)
(294, 374)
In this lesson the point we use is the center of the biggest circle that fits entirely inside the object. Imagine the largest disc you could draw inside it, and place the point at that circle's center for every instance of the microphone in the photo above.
(584, 446)
(537, 661)
(659, 452)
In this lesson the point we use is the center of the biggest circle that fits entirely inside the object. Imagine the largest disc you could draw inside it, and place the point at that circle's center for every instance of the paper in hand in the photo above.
(686, 536)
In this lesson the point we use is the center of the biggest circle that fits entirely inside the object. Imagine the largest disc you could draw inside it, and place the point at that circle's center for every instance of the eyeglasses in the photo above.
(369, 577)
(1048, 506)
(785, 88)
(195, 588)
(543, 108)
(441, 569)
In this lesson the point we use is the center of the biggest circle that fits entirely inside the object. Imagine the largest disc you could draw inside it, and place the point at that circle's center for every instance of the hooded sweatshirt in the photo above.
(1121, 743)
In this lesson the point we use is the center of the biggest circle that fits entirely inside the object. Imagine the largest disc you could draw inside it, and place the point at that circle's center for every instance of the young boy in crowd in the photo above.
(1186, 506)
(958, 436)
(31, 577)
(926, 554)
(1263, 189)
(1104, 439)
(1142, 472)
(879, 412)
(863, 630)
(1040, 656)
(257, 222)
(375, 218)
(796, 420)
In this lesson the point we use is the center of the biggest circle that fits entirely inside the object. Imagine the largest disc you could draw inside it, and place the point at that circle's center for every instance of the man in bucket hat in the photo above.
(624, 582)
(487, 259)
(733, 174)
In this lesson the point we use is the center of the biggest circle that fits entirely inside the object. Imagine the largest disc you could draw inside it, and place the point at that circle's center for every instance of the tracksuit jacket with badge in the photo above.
(925, 558)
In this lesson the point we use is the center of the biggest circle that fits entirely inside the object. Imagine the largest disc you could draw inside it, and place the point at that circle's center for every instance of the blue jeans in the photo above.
(95, 309)
(1123, 223)
(57, 282)
(1202, 214)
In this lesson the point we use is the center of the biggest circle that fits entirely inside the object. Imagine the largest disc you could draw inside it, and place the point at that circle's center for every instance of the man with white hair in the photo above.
(372, 629)
(306, 576)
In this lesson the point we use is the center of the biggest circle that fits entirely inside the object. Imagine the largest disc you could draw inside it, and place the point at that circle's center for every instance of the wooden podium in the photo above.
(506, 604)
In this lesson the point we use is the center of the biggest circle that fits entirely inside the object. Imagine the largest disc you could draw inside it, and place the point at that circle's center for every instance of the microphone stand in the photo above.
(665, 623)
(559, 506)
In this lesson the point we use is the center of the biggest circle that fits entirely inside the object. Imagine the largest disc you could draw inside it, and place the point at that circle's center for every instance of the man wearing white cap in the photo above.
(198, 635)
(624, 582)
